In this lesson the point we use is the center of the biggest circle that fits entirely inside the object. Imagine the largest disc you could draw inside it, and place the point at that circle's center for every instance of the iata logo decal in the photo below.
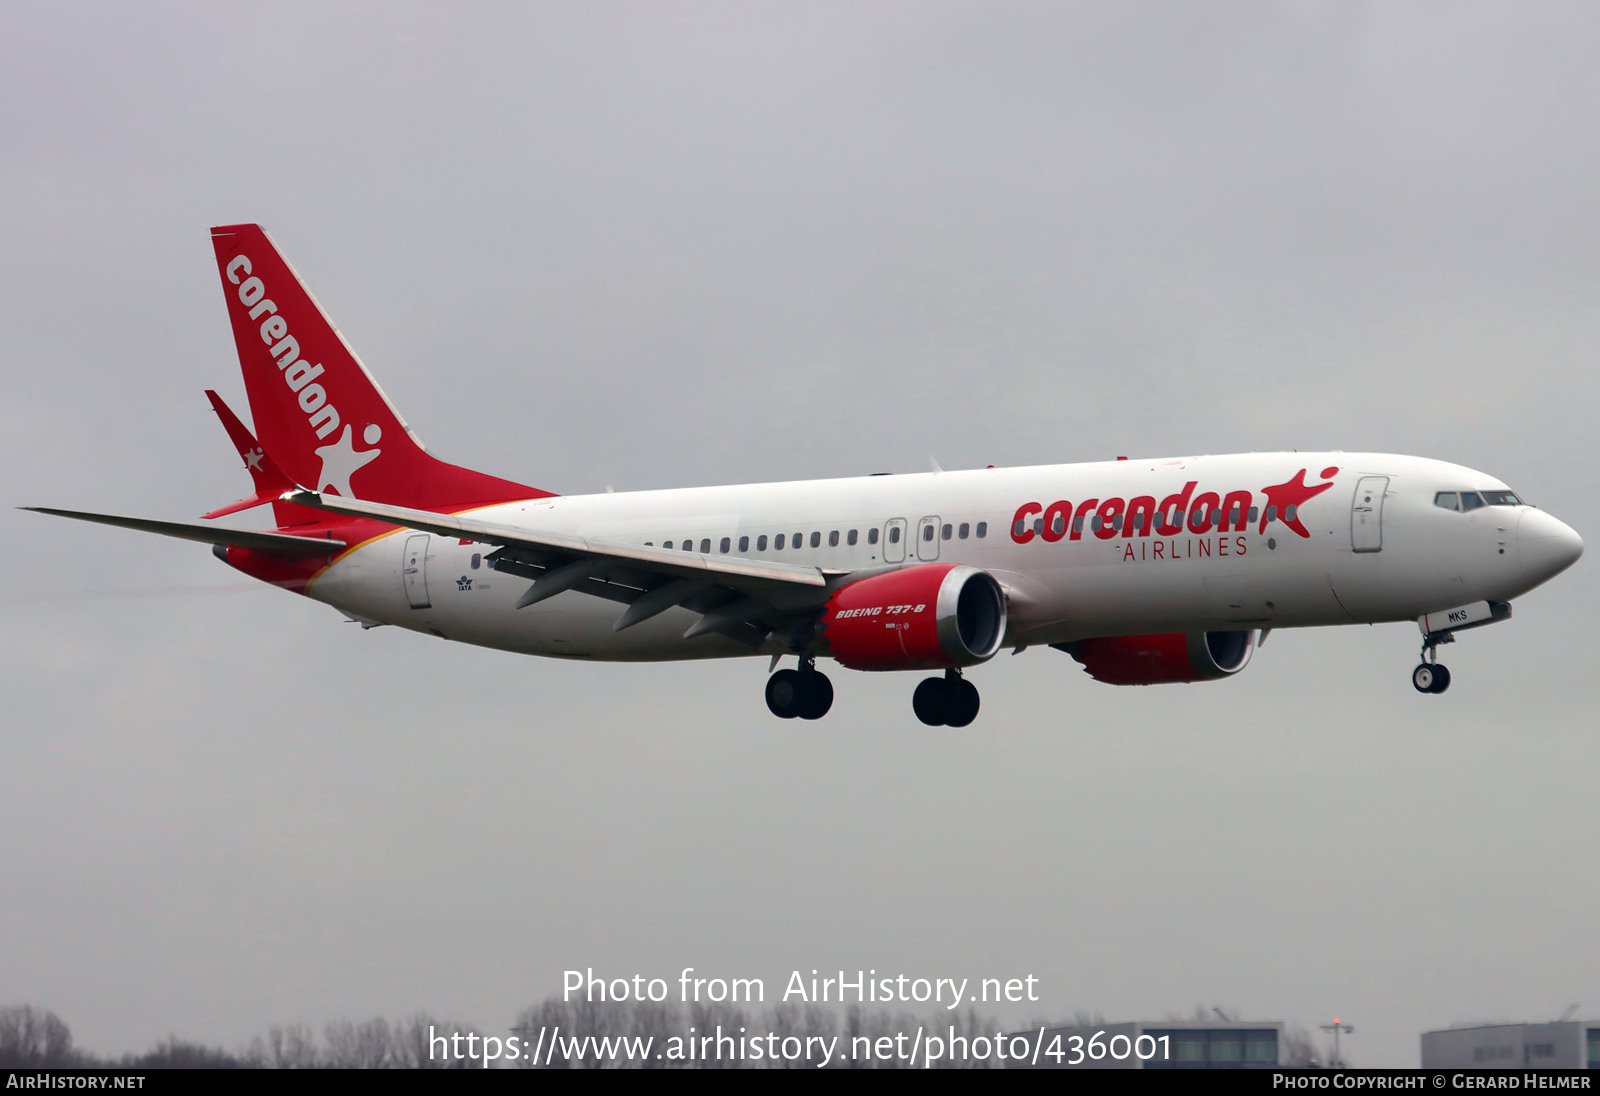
(1209, 512)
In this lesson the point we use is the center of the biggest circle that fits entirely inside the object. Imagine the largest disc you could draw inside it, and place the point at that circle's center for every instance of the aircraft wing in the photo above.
(746, 599)
(280, 544)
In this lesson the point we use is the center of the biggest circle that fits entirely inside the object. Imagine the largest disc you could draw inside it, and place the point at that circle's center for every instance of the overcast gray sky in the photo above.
(661, 245)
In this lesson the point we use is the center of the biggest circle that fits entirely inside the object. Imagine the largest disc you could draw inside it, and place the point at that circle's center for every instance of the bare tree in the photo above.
(177, 1053)
(658, 1023)
(412, 1044)
(803, 1022)
(291, 1047)
(1298, 1050)
(358, 1046)
(34, 1037)
(969, 1025)
(708, 1020)
(536, 1025)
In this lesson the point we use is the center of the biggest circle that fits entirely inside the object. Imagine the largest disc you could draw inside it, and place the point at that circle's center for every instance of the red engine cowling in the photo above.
(931, 616)
(1164, 659)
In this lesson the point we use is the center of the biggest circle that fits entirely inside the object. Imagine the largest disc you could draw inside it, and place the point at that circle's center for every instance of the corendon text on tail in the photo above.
(1147, 571)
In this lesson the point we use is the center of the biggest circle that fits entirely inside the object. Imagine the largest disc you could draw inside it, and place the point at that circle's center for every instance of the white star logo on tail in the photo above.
(252, 459)
(341, 460)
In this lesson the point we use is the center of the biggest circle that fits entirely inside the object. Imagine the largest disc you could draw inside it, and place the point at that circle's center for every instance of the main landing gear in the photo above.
(948, 701)
(804, 692)
(1431, 676)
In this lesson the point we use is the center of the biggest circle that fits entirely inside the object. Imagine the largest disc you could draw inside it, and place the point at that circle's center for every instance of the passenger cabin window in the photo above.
(744, 545)
(688, 546)
(850, 538)
(799, 540)
(705, 547)
(894, 534)
(666, 544)
(927, 532)
(761, 543)
(833, 539)
(816, 540)
(983, 529)
(1471, 500)
(477, 560)
(963, 530)
(872, 535)
(944, 533)
(725, 545)
(777, 542)
(1447, 500)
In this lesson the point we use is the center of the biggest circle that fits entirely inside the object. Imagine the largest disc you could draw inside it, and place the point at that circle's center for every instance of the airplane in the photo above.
(1145, 571)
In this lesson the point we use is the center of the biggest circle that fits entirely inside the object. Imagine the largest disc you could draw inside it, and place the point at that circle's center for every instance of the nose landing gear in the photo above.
(948, 701)
(802, 693)
(1431, 676)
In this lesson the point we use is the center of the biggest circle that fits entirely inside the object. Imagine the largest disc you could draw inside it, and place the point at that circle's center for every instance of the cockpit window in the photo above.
(1471, 500)
(1501, 498)
(1447, 500)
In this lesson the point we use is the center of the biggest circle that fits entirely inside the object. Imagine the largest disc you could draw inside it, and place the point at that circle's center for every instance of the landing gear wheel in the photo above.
(947, 701)
(785, 693)
(961, 702)
(1430, 677)
(929, 700)
(816, 695)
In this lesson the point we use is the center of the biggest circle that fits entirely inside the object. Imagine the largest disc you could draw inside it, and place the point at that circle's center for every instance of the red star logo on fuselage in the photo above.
(1294, 494)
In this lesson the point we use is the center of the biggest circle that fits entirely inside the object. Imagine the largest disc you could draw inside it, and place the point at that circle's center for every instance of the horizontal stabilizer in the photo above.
(279, 544)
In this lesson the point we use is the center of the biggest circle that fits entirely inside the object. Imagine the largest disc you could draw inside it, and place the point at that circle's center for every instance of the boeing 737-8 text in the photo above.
(1144, 571)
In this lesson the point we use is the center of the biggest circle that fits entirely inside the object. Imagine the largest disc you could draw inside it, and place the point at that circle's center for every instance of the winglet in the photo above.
(270, 482)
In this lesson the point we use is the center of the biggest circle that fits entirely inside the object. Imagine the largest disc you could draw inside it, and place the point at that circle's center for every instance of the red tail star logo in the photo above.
(1285, 499)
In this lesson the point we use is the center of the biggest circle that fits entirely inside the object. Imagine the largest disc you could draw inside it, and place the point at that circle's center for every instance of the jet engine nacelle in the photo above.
(1164, 659)
(932, 616)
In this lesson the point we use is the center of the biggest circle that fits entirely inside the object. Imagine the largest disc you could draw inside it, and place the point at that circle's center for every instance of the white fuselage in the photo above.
(1395, 556)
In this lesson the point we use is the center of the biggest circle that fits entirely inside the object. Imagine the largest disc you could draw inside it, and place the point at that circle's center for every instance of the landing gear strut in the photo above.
(1431, 676)
(802, 693)
(948, 701)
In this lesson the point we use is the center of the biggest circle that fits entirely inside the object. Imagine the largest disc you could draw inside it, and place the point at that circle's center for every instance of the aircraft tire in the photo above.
(1441, 679)
(816, 696)
(1423, 677)
(785, 694)
(961, 702)
(929, 701)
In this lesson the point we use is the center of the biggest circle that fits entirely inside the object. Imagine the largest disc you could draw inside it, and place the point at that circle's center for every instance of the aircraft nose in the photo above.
(1546, 546)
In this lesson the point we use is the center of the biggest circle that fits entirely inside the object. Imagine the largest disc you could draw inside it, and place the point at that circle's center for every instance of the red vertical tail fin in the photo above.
(317, 410)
